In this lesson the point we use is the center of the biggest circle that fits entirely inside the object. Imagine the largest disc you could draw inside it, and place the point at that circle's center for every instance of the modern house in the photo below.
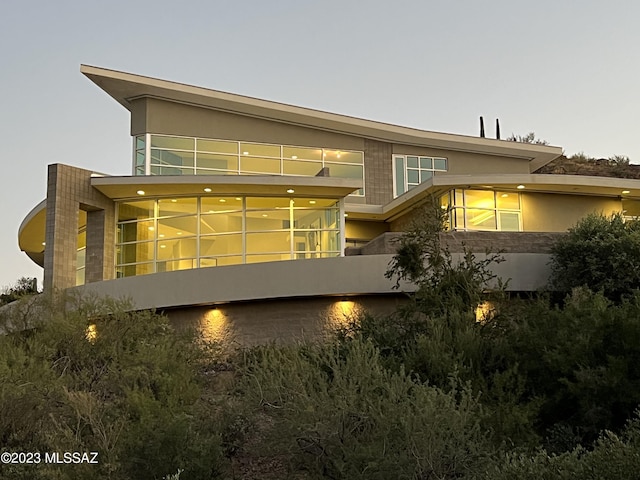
(246, 210)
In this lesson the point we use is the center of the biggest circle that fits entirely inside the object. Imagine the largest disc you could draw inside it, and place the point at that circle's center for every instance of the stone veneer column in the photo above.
(68, 191)
(378, 173)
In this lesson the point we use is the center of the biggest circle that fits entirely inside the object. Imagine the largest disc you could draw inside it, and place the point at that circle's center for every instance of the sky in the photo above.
(566, 70)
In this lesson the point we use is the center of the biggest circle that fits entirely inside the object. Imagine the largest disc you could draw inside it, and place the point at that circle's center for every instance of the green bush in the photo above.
(601, 253)
(345, 416)
(130, 392)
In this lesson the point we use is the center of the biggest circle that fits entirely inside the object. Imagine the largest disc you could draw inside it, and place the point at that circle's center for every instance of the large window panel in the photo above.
(136, 210)
(268, 242)
(260, 165)
(259, 150)
(216, 245)
(177, 248)
(412, 170)
(220, 223)
(302, 168)
(216, 146)
(135, 252)
(172, 158)
(215, 161)
(261, 220)
(178, 143)
(176, 206)
(177, 226)
(302, 153)
(136, 231)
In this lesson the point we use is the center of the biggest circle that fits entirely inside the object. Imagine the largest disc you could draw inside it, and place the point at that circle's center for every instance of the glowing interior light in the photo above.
(520, 187)
(207, 189)
(140, 192)
(291, 190)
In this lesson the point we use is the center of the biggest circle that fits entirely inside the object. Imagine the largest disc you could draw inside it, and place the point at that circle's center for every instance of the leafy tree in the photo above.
(24, 286)
(600, 252)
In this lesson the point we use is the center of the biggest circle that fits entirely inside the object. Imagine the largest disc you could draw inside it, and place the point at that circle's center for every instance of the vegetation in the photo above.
(600, 252)
(536, 389)
(23, 287)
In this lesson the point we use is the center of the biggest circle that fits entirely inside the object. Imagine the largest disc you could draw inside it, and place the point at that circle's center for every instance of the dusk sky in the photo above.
(566, 70)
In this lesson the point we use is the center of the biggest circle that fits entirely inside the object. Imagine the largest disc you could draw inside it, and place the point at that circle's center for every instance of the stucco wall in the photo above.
(170, 118)
(545, 212)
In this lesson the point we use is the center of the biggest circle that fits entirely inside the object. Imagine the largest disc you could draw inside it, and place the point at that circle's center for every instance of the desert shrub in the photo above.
(612, 457)
(90, 375)
(344, 415)
(600, 252)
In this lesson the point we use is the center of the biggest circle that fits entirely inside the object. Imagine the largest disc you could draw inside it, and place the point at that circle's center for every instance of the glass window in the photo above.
(220, 204)
(509, 221)
(136, 231)
(217, 146)
(399, 164)
(412, 170)
(509, 201)
(135, 252)
(301, 153)
(268, 202)
(426, 163)
(440, 164)
(220, 223)
(177, 226)
(177, 248)
(217, 162)
(180, 143)
(269, 242)
(315, 219)
(176, 206)
(483, 210)
(296, 167)
(259, 150)
(479, 199)
(136, 210)
(480, 219)
(216, 245)
(345, 171)
(260, 165)
(172, 158)
(267, 220)
(189, 232)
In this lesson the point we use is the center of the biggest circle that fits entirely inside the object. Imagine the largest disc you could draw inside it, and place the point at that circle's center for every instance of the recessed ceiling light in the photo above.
(44, 243)
(520, 187)
(626, 191)
(265, 215)
(222, 200)
(163, 246)
(294, 157)
(151, 229)
(173, 200)
(140, 192)
(504, 195)
(291, 190)
(346, 214)
(312, 202)
(245, 153)
(161, 235)
(179, 233)
(238, 198)
(207, 189)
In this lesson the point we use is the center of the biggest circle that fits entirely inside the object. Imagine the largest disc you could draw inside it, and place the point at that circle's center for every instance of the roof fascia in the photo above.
(124, 87)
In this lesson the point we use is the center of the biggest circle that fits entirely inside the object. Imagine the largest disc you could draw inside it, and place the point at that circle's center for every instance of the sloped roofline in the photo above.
(125, 87)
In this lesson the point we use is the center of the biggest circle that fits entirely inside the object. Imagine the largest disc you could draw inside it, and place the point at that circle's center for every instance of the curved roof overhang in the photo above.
(31, 233)
(125, 87)
(118, 188)
(539, 183)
